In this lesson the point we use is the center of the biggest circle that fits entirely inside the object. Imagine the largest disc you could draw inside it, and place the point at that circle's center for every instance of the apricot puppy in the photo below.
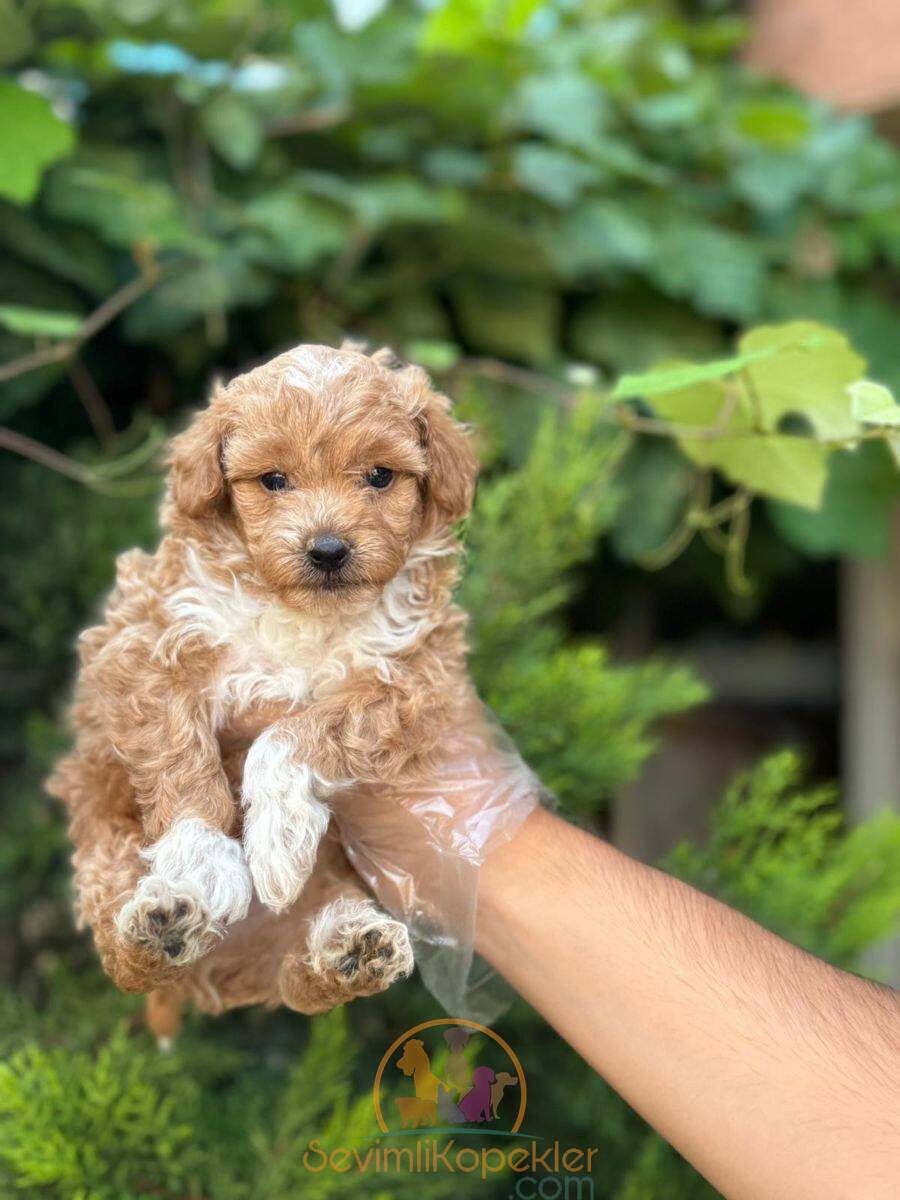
(293, 635)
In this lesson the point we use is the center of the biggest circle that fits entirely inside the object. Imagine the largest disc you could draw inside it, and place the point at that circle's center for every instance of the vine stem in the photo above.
(27, 447)
(99, 318)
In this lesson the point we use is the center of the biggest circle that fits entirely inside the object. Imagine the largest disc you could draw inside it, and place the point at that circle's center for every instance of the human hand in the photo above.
(420, 849)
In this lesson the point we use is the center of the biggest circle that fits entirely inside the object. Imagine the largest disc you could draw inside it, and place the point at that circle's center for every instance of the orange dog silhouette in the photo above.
(498, 1087)
(415, 1112)
(414, 1061)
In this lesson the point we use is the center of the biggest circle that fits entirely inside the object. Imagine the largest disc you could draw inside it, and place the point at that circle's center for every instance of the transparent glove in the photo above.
(420, 849)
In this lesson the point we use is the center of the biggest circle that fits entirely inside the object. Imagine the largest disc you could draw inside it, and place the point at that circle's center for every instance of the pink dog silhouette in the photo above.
(476, 1104)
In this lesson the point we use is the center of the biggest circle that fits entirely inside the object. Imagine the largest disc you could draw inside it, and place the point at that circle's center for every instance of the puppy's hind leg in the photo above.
(163, 1016)
(353, 949)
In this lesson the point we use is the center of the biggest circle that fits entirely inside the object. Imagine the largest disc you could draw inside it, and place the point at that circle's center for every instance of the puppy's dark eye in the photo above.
(380, 477)
(274, 481)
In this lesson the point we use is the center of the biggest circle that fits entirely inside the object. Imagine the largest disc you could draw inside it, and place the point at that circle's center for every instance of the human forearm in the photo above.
(771, 1071)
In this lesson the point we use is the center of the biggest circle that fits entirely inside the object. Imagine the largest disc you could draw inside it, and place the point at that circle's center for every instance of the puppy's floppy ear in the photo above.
(452, 466)
(196, 482)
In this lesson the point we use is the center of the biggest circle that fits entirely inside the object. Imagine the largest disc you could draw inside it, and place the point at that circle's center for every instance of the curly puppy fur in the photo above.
(235, 685)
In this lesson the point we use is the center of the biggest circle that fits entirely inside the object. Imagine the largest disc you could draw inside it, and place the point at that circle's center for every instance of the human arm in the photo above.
(774, 1073)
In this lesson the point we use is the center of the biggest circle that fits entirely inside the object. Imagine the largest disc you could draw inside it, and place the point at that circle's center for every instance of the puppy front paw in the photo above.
(169, 919)
(284, 820)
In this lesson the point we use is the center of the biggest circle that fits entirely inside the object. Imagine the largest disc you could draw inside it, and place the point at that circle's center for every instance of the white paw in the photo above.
(169, 918)
(207, 860)
(284, 820)
(353, 943)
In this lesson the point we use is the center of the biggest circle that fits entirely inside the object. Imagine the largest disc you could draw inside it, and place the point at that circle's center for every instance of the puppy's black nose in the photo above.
(328, 552)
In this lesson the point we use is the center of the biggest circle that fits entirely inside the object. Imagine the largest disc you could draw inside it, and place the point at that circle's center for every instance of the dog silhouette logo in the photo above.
(449, 1073)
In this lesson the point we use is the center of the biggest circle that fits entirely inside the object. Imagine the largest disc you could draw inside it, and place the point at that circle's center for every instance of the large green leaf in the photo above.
(671, 379)
(31, 138)
(808, 376)
(780, 466)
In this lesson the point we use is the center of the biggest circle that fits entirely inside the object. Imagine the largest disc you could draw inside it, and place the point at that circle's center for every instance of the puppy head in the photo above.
(329, 465)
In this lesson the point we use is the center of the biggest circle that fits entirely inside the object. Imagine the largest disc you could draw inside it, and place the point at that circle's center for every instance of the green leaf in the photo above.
(105, 189)
(565, 106)
(722, 273)
(434, 354)
(292, 231)
(873, 403)
(779, 124)
(38, 322)
(459, 25)
(31, 138)
(554, 174)
(657, 382)
(775, 465)
(808, 376)
(234, 129)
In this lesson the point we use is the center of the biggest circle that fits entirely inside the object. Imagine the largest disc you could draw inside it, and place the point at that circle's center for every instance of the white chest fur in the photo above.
(273, 654)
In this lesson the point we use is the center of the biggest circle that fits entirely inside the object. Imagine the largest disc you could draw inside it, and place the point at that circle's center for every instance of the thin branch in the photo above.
(46, 456)
(520, 377)
(92, 401)
(99, 318)
(311, 120)
(27, 447)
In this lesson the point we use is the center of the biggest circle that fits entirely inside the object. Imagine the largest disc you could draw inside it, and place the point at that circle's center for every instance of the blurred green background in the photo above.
(530, 199)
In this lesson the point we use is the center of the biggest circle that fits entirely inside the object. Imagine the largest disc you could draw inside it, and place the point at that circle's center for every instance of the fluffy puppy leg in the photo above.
(285, 817)
(198, 883)
(353, 949)
(107, 871)
(163, 1016)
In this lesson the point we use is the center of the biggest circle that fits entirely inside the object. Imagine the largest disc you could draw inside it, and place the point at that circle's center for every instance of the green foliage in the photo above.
(109, 1126)
(782, 853)
(117, 1120)
(789, 418)
(579, 720)
(551, 152)
(31, 137)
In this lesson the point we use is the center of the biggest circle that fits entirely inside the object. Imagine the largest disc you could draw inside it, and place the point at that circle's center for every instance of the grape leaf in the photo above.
(31, 138)
(806, 377)
(873, 403)
(777, 465)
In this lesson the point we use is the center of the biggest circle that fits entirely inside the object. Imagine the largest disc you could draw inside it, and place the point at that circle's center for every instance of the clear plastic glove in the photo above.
(420, 850)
